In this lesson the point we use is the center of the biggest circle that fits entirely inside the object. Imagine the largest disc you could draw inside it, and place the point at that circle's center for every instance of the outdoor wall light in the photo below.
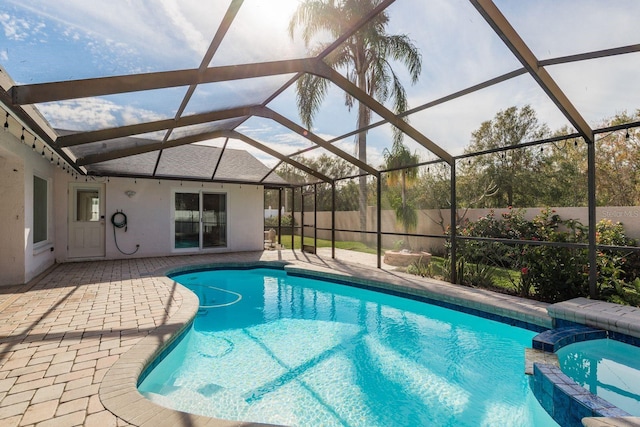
(6, 123)
(130, 193)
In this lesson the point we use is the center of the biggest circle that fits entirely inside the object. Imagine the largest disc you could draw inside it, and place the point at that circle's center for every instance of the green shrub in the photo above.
(478, 275)
(549, 273)
(421, 268)
(446, 269)
(555, 273)
(511, 225)
(617, 271)
(285, 221)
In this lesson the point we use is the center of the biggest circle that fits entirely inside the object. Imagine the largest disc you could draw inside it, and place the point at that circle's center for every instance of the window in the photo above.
(40, 209)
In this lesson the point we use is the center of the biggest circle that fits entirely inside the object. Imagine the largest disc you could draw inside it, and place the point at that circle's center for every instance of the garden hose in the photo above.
(119, 220)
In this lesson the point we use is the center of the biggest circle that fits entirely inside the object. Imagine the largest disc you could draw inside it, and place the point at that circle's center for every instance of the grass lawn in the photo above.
(502, 278)
(352, 246)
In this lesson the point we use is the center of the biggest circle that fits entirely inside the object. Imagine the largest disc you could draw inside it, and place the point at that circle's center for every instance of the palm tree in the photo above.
(397, 159)
(365, 59)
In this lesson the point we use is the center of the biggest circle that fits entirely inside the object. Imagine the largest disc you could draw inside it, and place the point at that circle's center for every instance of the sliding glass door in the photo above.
(214, 220)
(200, 220)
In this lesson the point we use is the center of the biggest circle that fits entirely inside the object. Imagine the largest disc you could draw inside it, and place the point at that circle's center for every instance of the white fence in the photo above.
(270, 213)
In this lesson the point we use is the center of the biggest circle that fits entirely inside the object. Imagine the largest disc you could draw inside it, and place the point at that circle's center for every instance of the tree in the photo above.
(398, 158)
(346, 190)
(565, 172)
(365, 57)
(618, 164)
(617, 168)
(434, 187)
(516, 174)
(333, 167)
(435, 193)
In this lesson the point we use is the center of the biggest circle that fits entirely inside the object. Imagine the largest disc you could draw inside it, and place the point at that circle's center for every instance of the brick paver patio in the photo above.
(61, 333)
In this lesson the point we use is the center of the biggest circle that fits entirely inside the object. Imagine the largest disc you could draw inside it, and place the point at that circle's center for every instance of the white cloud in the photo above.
(195, 39)
(19, 29)
(176, 31)
(91, 114)
(131, 115)
(260, 29)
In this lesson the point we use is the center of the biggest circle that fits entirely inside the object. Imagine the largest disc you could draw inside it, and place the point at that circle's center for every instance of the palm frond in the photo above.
(316, 16)
(401, 48)
(310, 92)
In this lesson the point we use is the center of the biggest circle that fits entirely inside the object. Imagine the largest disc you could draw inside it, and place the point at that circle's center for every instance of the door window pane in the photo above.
(87, 205)
(187, 220)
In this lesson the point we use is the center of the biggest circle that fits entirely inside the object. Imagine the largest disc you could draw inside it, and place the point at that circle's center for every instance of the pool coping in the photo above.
(118, 391)
(620, 319)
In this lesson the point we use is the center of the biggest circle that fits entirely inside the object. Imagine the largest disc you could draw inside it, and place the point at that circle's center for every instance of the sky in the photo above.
(42, 41)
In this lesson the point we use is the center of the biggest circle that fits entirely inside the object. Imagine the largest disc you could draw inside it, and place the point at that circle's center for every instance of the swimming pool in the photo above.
(296, 351)
(607, 368)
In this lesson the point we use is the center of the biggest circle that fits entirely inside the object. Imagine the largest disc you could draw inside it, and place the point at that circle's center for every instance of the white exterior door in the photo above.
(86, 220)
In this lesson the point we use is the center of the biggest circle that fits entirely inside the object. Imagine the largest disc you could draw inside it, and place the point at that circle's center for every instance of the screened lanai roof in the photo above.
(173, 89)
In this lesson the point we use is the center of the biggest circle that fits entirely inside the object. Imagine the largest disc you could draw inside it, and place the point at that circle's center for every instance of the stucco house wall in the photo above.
(149, 214)
(20, 259)
(11, 217)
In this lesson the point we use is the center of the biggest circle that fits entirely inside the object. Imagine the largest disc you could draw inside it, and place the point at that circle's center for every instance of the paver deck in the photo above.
(72, 337)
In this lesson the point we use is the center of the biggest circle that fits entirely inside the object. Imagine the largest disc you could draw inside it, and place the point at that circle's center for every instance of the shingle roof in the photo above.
(196, 162)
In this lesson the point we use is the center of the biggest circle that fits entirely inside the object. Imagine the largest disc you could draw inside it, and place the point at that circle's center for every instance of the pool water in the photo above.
(607, 368)
(296, 351)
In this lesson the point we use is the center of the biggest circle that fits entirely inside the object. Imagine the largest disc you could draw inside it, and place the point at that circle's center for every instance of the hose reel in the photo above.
(119, 220)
